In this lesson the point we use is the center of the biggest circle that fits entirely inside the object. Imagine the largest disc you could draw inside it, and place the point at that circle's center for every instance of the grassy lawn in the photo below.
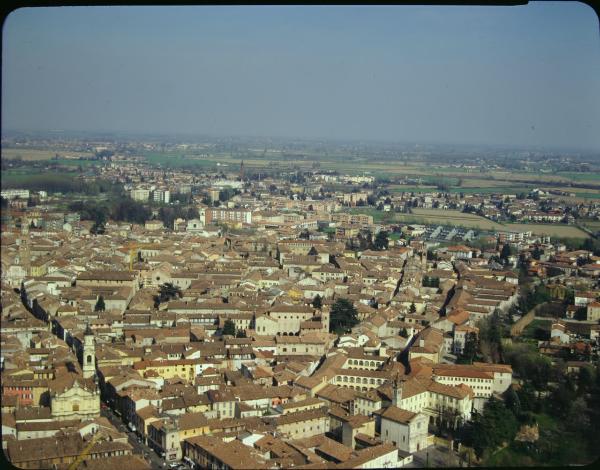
(509, 457)
(530, 331)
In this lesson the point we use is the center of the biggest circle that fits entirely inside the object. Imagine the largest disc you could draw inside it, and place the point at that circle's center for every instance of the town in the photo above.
(266, 309)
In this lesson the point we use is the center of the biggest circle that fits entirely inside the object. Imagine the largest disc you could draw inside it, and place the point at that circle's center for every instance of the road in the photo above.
(138, 447)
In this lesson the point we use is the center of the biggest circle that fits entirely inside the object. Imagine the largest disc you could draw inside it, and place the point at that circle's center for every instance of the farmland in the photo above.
(461, 219)
(448, 217)
(37, 155)
(553, 230)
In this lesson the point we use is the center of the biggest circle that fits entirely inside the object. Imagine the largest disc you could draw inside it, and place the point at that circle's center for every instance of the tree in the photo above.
(304, 235)
(580, 314)
(317, 302)
(497, 424)
(412, 308)
(100, 306)
(585, 379)
(97, 229)
(403, 333)
(166, 292)
(505, 253)
(511, 399)
(470, 349)
(228, 328)
(192, 213)
(343, 316)
(240, 334)
(381, 241)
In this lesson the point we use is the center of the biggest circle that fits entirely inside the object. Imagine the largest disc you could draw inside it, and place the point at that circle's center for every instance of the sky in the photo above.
(523, 75)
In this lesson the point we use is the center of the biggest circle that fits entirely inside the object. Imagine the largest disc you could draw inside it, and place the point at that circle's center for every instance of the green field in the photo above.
(449, 217)
(553, 230)
(463, 189)
(179, 160)
(10, 178)
(593, 225)
(461, 219)
(580, 177)
(37, 155)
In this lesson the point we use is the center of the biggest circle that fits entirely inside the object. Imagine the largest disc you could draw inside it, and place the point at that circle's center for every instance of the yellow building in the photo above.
(182, 368)
(303, 424)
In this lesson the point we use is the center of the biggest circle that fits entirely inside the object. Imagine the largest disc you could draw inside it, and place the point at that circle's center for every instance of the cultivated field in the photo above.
(448, 217)
(32, 154)
(593, 225)
(554, 230)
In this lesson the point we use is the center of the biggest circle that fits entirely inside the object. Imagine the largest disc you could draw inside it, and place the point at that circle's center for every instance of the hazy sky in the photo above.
(524, 75)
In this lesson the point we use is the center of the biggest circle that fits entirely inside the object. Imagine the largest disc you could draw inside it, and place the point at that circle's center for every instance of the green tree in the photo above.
(240, 333)
(505, 253)
(412, 308)
(580, 314)
(166, 292)
(470, 349)
(497, 424)
(381, 241)
(100, 306)
(585, 379)
(343, 316)
(317, 302)
(511, 399)
(228, 328)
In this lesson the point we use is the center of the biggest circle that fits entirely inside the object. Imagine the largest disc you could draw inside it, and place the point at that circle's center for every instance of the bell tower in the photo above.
(396, 392)
(89, 354)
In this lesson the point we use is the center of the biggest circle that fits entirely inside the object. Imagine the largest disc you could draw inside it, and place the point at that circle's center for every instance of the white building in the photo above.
(15, 193)
(161, 195)
(404, 429)
(140, 194)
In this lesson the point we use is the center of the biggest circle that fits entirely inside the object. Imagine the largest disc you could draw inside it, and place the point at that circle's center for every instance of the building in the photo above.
(140, 194)
(242, 216)
(89, 354)
(15, 193)
(404, 429)
(81, 400)
(214, 453)
(161, 196)
(593, 311)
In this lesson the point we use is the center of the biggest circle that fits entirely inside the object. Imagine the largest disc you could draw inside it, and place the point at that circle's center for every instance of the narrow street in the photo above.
(138, 447)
